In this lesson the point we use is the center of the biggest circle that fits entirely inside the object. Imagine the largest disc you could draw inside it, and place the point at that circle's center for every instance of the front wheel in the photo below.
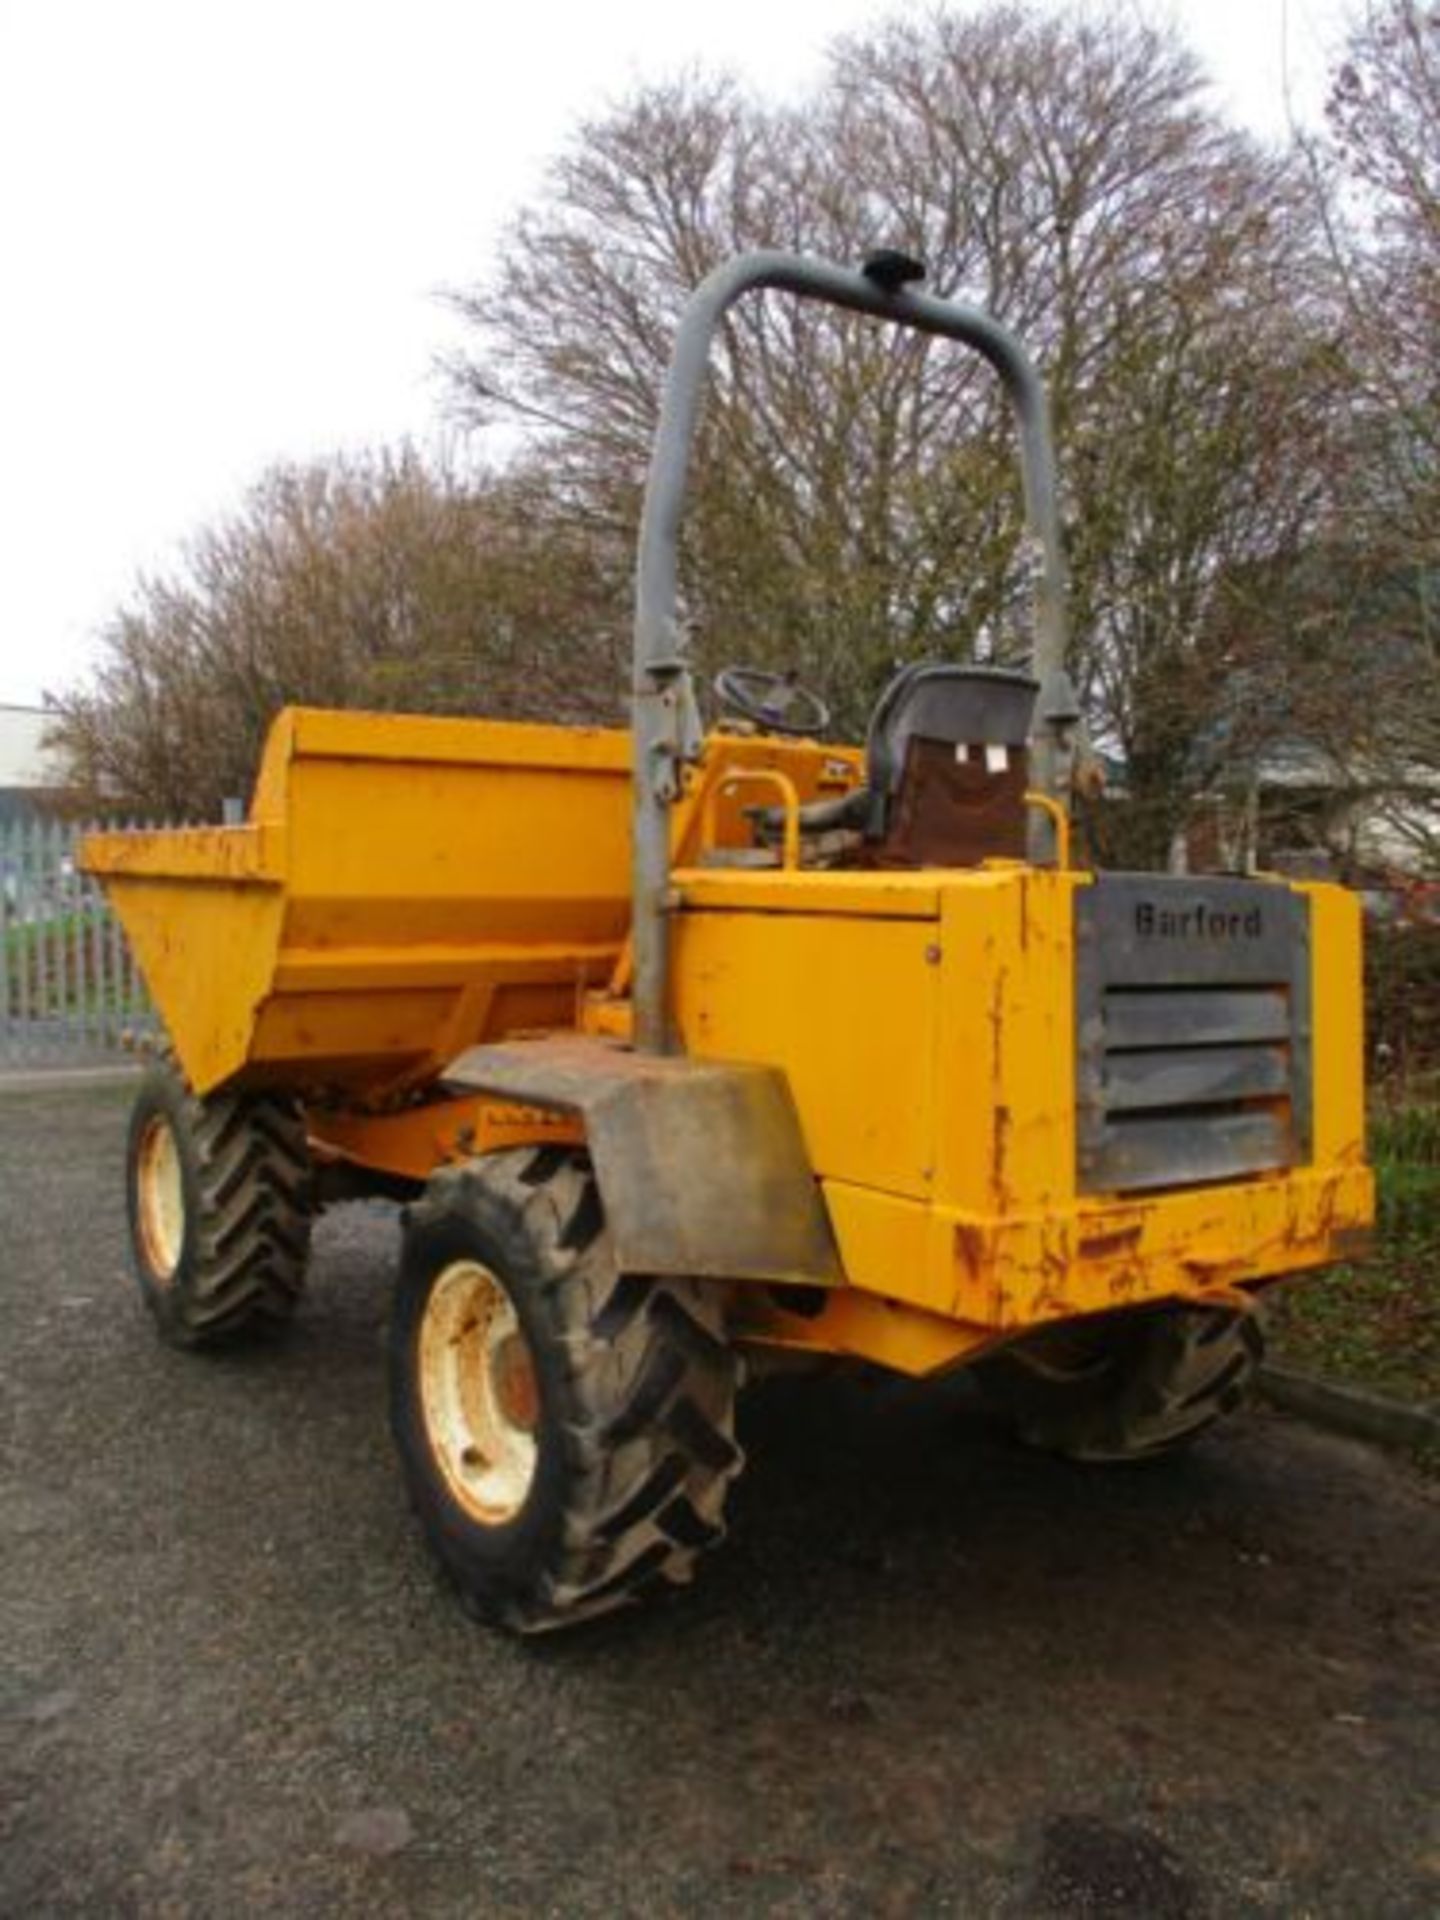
(1130, 1386)
(567, 1432)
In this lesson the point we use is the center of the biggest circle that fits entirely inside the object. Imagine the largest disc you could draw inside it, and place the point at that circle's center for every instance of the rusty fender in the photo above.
(701, 1164)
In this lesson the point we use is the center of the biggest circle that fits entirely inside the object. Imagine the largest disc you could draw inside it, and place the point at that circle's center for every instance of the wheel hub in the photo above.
(160, 1198)
(479, 1392)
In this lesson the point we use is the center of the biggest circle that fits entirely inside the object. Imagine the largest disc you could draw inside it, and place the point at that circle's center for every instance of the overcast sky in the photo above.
(224, 226)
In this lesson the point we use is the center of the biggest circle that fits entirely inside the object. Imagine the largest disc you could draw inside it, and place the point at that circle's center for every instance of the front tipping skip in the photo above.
(689, 1047)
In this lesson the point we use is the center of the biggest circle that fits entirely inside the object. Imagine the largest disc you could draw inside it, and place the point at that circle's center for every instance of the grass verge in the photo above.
(1377, 1323)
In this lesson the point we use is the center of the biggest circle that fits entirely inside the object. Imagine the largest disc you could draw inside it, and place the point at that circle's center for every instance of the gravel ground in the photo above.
(927, 1675)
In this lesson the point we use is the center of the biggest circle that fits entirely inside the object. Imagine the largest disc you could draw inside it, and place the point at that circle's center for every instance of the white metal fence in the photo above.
(69, 988)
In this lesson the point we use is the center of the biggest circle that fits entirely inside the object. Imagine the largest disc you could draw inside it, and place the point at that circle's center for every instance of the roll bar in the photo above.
(666, 720)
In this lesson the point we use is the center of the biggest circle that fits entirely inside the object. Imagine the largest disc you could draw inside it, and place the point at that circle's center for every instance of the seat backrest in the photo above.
(957, 706)
(947, 764)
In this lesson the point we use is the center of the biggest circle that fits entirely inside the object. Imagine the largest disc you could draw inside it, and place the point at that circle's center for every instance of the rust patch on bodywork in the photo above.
(972, 1249)
(1112, 1243)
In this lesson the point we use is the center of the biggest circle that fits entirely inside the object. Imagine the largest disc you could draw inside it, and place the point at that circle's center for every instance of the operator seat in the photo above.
(948, 766)
(947, 769)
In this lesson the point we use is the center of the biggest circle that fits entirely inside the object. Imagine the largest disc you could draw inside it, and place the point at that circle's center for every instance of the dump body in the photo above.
(403, 888)
(1024, 1094)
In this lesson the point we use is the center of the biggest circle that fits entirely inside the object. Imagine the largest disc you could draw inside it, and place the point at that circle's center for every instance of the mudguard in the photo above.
(701, 1164)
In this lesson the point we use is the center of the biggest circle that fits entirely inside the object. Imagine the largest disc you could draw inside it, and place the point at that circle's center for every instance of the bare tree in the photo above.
(1243, 378)
(855, 501)
(1371, 699)
(378, 582)
(1384, 120)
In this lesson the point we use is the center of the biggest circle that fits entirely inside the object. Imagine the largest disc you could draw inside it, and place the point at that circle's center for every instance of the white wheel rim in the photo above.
(160, 1197)
(479, 1392)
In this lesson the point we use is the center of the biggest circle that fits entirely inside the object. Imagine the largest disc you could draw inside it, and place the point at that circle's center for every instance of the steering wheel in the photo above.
(775, 701)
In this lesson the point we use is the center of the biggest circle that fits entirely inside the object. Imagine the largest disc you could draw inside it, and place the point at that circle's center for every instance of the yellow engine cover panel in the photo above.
(848, 1005)
(927, 1024)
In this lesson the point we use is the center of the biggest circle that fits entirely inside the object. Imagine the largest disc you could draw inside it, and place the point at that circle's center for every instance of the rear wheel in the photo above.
(1128, 1386)
(219, 1204)
(567, 1433)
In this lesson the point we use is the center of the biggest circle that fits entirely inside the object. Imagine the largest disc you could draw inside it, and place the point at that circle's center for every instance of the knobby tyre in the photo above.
(1126, 1387)
(220, 1206)
(566, 1431)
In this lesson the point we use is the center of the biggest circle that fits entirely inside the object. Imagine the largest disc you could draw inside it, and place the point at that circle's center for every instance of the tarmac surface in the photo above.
(928, 1673)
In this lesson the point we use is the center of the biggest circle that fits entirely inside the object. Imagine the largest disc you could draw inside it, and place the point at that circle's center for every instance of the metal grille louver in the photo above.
(1193, 1042)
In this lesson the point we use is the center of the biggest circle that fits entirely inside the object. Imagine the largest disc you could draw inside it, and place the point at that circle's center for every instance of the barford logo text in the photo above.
(1196, 923)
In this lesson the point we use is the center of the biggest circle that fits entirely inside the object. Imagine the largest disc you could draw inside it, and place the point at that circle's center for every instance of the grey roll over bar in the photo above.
(666, 721)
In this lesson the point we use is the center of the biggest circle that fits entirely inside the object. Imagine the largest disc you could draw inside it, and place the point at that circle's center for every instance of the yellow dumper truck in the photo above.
(689, 1048)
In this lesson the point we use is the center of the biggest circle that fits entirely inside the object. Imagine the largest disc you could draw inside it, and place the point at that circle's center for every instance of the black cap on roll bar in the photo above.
(891, 270)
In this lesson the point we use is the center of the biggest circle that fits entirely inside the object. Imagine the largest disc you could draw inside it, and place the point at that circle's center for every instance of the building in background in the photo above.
(28, 775)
